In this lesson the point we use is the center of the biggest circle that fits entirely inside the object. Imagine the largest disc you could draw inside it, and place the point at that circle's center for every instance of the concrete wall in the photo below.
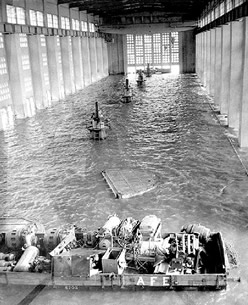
(222, 56)
(187, 51)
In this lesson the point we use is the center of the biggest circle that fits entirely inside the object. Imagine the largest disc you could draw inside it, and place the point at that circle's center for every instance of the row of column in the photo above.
(43, 69)
(222, 66)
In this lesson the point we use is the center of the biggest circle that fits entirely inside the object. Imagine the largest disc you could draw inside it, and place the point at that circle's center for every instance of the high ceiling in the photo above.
(126, 12)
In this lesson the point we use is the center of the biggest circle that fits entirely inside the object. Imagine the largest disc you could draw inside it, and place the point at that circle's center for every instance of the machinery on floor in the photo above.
(127, 252)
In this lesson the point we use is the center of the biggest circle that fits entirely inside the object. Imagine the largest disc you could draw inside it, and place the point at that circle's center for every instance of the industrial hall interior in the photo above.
(123, 152)
(50, 49)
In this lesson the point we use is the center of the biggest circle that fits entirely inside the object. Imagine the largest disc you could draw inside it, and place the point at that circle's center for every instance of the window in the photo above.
(55, 21)
(40, 20)
(148, 48)
(166, 47)
(65, 23)
(20, 15)
(49, 21)
(156, 49)
(11, 14)
(84, 26)
(91, 27)
(32, 16)
(174, 47)
(228, 5)
(36, 18)
(75, 24)
(130, 49)
(222, 8)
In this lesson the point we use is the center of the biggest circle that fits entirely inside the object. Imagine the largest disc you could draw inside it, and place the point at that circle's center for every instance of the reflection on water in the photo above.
(51, 171)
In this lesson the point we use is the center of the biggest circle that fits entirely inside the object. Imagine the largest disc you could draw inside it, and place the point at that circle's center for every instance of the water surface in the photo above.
(51, 171)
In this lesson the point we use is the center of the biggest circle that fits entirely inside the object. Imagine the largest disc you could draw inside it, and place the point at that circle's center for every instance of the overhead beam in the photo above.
(147, 28)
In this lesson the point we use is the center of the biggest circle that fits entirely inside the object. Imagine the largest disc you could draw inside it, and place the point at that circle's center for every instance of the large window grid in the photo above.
(52, 21)
(159, 50)
(75, 24)
(36, 18)
(148, 48)
(174, 47)
(91, 27)
(65, 23)
(15, 14)
(166, 48)
(84, 26)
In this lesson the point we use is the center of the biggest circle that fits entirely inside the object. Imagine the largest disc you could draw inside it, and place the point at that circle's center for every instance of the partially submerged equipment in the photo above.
(140, 80)
(98, 126)
(128, 94)
(124, 253)
(128, 182)
(148, 71)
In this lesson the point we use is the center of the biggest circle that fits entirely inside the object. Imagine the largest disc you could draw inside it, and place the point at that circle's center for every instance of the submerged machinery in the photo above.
(98, 126)
(128, 94)
(140, 80)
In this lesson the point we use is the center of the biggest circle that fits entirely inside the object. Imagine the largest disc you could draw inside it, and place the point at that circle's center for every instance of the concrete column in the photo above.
(120, 49)
(86, 60)
(111, 58)
(105, 58)
(217, 66)
(115, 55)
(212, 61)
(187, 51)
(99, 54)
(39, 87)
(13, 54)
(54, 67)
(204, 58)
(236, 74)
(197, 57)
(200, 56)
(125, 53)
(225, 69)
(67, 65)
(208, 58)
(93, 59)
(77, 62)
(243, 122)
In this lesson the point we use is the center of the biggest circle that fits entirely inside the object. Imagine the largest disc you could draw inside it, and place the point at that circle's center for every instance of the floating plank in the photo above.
(126, 183)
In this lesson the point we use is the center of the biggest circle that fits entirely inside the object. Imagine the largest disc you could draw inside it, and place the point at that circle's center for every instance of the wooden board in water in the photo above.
(126, 183)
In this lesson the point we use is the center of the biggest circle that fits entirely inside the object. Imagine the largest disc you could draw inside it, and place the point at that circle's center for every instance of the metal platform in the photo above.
(126, 183)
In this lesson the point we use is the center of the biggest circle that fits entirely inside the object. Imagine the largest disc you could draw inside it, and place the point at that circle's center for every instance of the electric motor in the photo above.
(51, 239)
(14, 239)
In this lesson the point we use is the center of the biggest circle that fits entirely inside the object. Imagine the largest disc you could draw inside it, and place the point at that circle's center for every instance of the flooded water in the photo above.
(51, 171)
